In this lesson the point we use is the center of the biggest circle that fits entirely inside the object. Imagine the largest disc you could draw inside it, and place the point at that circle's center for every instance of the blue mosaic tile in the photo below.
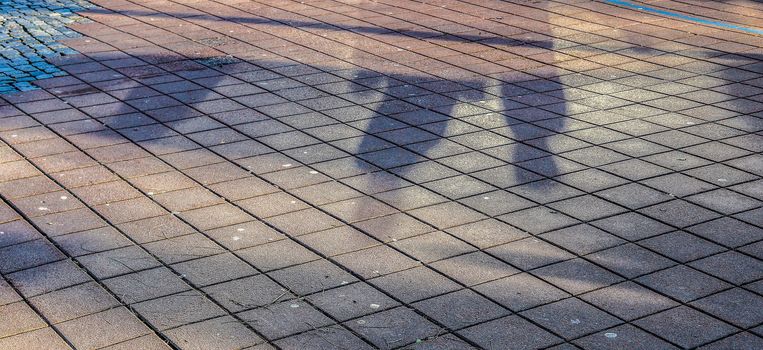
(29, 31)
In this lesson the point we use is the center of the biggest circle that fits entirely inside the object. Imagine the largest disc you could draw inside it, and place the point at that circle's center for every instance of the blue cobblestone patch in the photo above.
(30, 31)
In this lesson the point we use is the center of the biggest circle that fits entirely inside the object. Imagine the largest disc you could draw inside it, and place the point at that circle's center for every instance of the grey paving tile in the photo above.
(148, 284)
(393, 328)
(81, 300)
(683, 283)
(414, 284)
(285, 318)
(105, 328)
(587, 276)
(354, 300)
(23, 317)
(46, 278)
(620, 337)
(177, 310)
(218, 333)
(571, 318)
(677, 326)
(520, 292)
(45, 338)
(511, 332)
(628, 300)
(460, 309)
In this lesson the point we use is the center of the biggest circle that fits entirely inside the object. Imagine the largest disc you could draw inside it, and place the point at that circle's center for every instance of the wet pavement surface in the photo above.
(385, 174)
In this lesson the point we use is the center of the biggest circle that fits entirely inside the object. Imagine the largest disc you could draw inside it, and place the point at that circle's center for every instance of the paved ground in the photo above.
(388, 174)
(30, 31)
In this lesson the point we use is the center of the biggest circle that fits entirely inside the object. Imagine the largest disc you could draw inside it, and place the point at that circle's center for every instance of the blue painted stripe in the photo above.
(685, 17)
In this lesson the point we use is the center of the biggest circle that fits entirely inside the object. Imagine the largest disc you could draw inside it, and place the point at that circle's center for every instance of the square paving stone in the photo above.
(354, 300)
(591, 180)
(623, 337)
(272, 204)
(148, 284)
(511, 332)
(545, 191)
(530, 253)
(46, 278)
(752, 216)
(520, 292)
(731, 266)
(635, 169)
(393, 328)
(720, 175)
(678, 184)
(628, 300)
(447, 215)
(81, 300)
(394, 227)
(177, 310)
(582, 239)
(312, 277)
(247, 293)
(433, 246)
(587, 208)
(244, 235)
(215, 216)
(728, 231)
(487, 233)
(460, 309)
(496, 202)
(156, 228)
(736, 306)
(92, 241)
(323, 338)
(129, 210)
(474, 268)
(679, 326)
(28, 254)
(683, 283)
(741, 341)
(571, 318)
(376, 261)
(725, 201)
(117, 262)
(414, 284)
(214, 269)
(576, 276)
(303, 222)
(681, 246)
(411, 197)
(338, 240)
(359, 209)
(41, 339)
(178, 249)
(443, 342)
(634, 195)
(22, 319)
(285, 318)
(277, 255)
(509, 175)
(630, 260)
(7, 294)
(218, 333)
(459, 187)
(538, 220)
(104, 328)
